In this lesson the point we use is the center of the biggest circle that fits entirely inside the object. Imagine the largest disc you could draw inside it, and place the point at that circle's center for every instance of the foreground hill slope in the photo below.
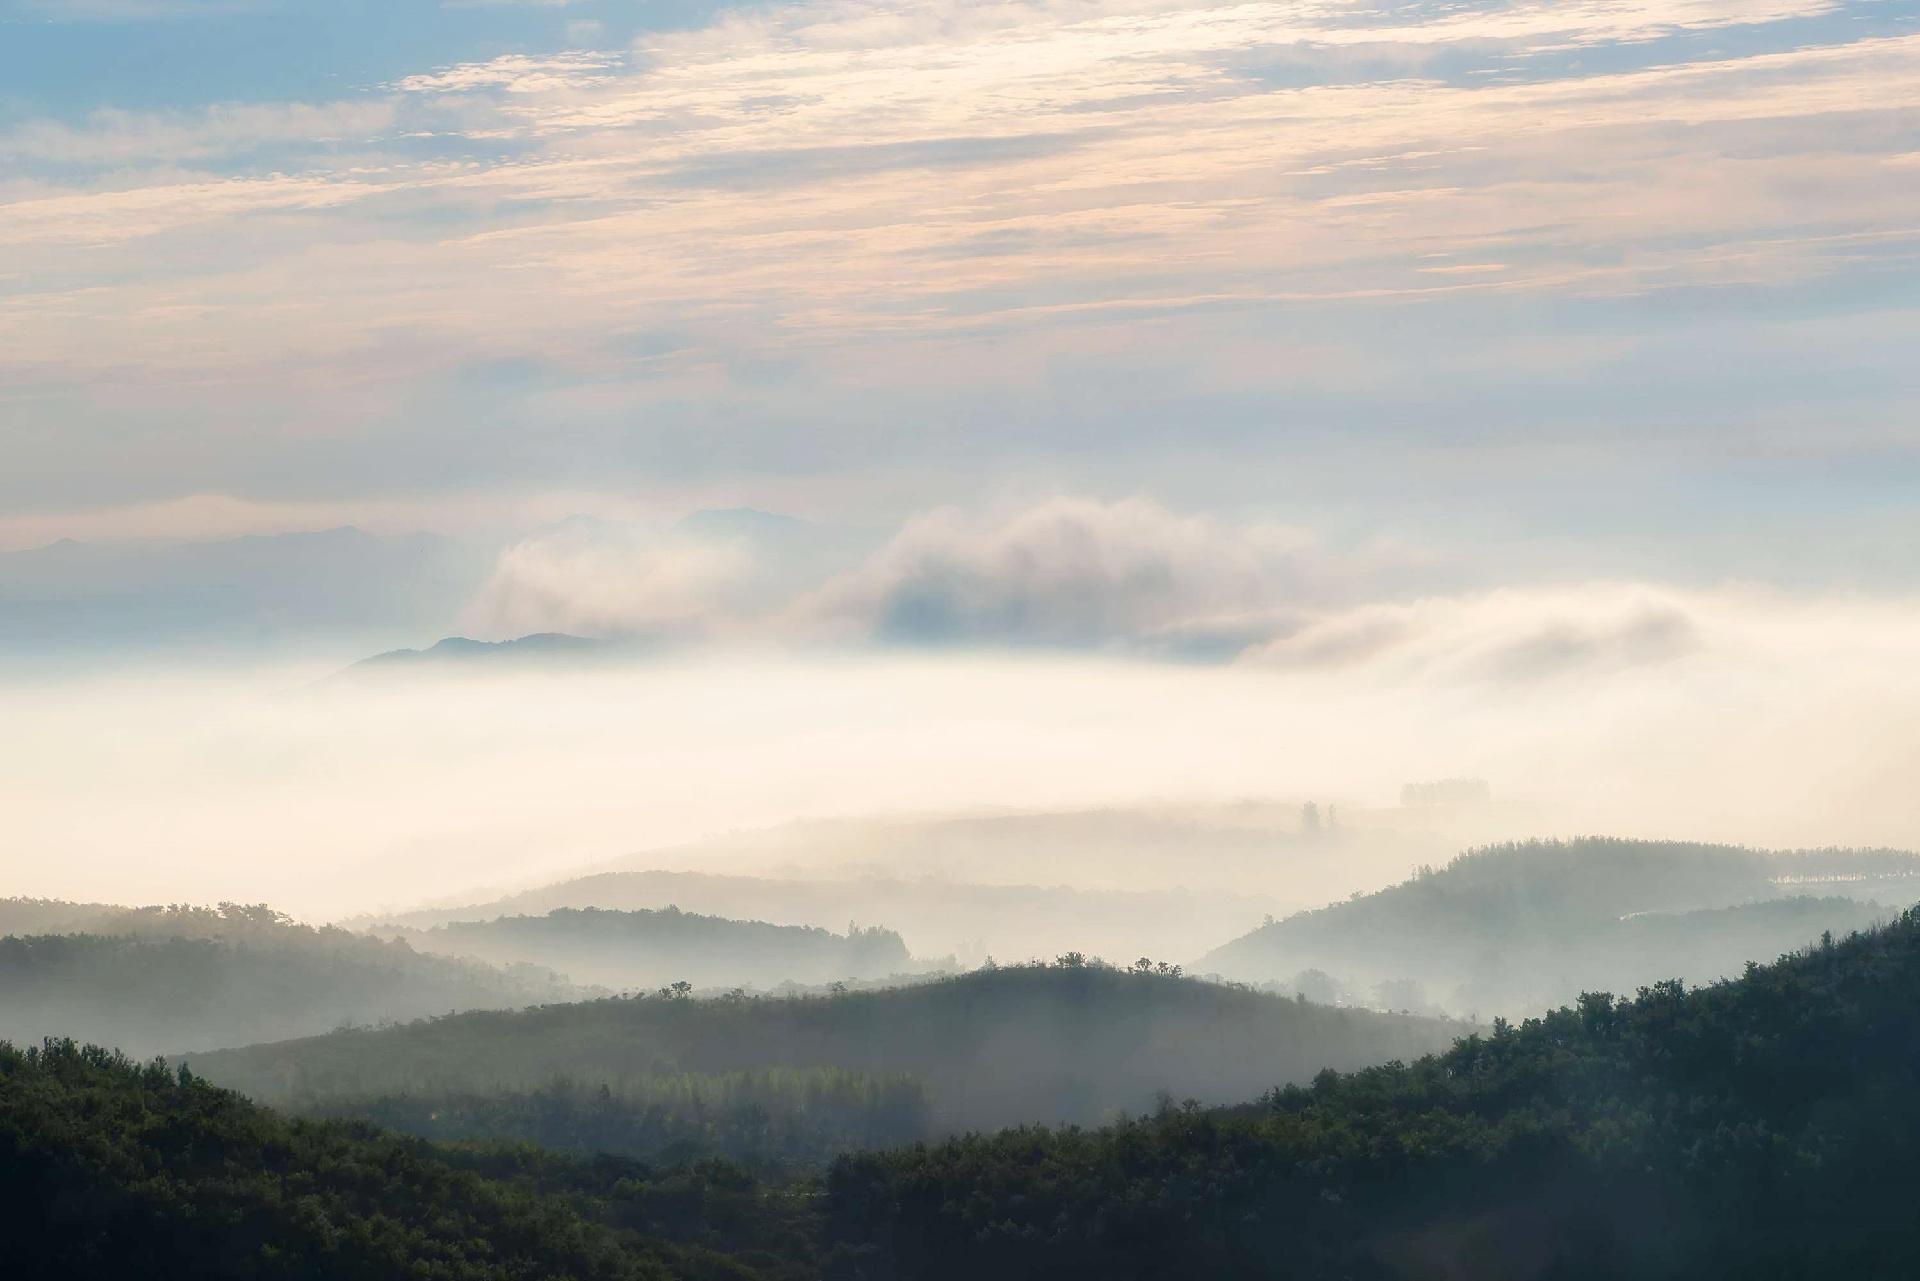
(169, 979)
(1066, 1042)
(1516, 928)
(646, 948)
(1767, 1126)
(113, 1169)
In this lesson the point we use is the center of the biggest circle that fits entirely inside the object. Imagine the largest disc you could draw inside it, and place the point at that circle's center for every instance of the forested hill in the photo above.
(1067, 1042)
(183, 978)
(113, 1169)
(1765, 1127)
(645, 948)
(1522, 927)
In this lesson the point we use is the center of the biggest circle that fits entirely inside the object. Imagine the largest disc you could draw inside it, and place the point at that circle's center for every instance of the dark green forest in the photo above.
(778, 1121)
(1068, 1041)
(1513, 929)
(165, 979)
(111, 1168)
(1760, 1127)
(646, 947)
(1763, 1127)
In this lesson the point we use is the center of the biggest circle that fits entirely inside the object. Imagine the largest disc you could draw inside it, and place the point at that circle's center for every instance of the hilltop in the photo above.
(540, 649)
(183, 978)
(1069, 1042)
(1761, 1127)
(1519, 927)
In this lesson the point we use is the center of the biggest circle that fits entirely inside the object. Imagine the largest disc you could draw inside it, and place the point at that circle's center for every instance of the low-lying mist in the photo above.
(1743, 719)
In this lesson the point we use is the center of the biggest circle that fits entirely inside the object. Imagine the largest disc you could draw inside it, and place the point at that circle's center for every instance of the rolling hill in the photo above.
(168, 979)
(1514, 928)
(1766, 1126)
(1060, 1043)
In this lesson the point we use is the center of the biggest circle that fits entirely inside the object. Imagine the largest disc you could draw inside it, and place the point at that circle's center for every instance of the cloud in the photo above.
(1125, 578)
(849, 218)
(517, 74)
(1132, 577)
(1068, 572)
(115, 137)
(1796, 722)
(595, 578)
(1503, 636)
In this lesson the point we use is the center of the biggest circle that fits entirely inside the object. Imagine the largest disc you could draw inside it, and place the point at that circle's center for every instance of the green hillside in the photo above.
(113, 1169)
(1064, 1042)
(1765, 1127)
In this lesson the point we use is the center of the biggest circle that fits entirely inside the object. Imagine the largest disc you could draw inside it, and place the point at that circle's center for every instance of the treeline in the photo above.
(1765, 1127)
(53, 916)
(780, 1121)
(1522, 927)
(643, 948)
(166, 979)
(1067, 1042)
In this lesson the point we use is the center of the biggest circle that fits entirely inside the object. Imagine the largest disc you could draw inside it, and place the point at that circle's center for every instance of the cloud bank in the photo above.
(602, 579)
(1782, 722)
(1127, 578)
(1504, 635)
(1069, 572)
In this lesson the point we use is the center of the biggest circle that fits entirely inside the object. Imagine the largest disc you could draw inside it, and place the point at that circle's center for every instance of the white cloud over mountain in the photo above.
(1132, 578)
(595, 578)
(1069, 572)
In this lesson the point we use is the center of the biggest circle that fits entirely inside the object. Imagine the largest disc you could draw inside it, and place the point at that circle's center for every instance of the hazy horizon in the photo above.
(1767, 725)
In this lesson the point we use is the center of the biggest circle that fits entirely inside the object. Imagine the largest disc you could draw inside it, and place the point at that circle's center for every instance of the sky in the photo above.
(1605, 286)
(1216, 400)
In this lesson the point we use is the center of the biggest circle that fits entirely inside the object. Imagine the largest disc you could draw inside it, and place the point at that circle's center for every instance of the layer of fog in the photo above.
(1621, 710)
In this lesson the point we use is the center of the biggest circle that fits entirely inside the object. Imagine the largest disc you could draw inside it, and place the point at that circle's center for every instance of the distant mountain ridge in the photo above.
(935, 916)
(539, 646)
(645, 947)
